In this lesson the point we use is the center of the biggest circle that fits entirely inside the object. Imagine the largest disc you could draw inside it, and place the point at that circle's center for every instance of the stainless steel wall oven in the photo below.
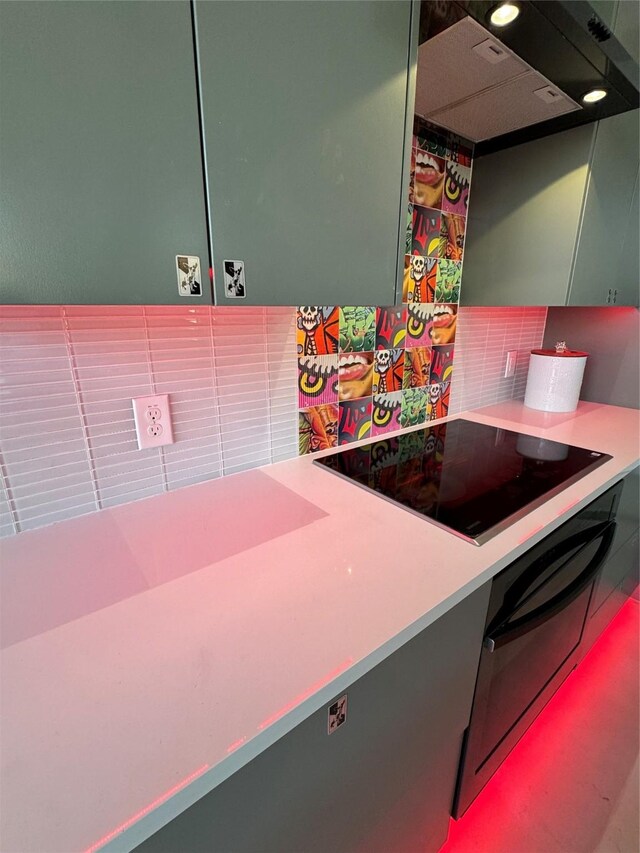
(537, 611)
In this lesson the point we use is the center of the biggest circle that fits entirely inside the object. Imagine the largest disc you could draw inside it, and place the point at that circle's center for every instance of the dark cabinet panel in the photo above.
(99, 152)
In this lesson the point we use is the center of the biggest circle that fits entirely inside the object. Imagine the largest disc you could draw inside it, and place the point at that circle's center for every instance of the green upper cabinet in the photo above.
(555, 221)
(304, 108)
(524, 218)
(603, 262)
(100, 156)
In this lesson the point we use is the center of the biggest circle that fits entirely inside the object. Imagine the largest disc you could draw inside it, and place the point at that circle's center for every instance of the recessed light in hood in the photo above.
(594, 96)
(504, 14)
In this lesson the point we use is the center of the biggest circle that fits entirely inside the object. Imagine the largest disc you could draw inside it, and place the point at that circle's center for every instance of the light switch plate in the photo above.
(152, 415)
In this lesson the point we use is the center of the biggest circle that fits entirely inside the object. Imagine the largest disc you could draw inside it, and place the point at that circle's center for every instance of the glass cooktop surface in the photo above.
(472, 479)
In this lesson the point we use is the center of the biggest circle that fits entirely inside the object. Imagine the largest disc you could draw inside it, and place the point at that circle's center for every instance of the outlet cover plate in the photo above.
(152, 415)
(510, 363)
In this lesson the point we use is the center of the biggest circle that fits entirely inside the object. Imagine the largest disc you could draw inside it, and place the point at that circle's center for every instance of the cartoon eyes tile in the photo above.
(448, 281)
(414, 407)
(355, 420)
(419, 320)
(317, 428)
(428, 179)
(391, 325)
(441, 364)
(417, 363)
(453, 229)
(317, 380)
(385, 416)
(443, 325)
(456, 188)
(355, 375)
(317, 330)
(420, 277)
(427, 239)
(388, 369)
(357, 328)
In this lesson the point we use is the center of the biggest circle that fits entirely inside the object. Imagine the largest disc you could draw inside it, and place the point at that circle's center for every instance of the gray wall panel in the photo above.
(611, 337)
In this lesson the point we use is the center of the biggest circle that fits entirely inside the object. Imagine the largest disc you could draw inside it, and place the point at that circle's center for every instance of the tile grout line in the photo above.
(214, 386)
(81, 410)
(4, 479)
(163, 469)
(268, 379)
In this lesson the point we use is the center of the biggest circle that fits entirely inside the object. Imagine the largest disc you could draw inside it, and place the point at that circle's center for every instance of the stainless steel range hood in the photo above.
(501, 86)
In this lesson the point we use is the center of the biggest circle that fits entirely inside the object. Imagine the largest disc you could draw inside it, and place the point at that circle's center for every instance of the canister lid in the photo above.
(568, 353)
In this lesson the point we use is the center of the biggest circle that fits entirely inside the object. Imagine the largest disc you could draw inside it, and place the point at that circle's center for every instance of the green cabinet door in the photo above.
(524, 218)
(602, 251)
(627, 284)
(100, 156)
(304, 107)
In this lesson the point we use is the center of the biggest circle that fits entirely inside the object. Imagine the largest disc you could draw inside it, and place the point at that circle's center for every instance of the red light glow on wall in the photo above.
(549, 777)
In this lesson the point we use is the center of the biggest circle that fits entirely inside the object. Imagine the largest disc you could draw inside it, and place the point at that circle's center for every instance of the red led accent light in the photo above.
(308, 692)
(530, 534)
(236, 744)
(541, 763)
(136, 817)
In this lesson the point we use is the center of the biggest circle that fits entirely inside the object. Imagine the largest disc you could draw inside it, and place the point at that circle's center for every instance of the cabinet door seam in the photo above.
(410, 99)
(203, 150)
(583, 207)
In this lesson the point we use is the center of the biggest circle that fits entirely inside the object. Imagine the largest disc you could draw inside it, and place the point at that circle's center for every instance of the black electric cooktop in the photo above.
(472, 479)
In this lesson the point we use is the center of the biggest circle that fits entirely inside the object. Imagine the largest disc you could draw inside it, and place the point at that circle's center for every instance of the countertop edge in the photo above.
(168, 810)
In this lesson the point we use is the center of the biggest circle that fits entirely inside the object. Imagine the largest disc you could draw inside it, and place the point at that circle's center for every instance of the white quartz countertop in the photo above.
(151, 650)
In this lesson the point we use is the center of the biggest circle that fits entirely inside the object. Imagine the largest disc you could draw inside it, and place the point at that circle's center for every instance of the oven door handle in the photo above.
(513, 630)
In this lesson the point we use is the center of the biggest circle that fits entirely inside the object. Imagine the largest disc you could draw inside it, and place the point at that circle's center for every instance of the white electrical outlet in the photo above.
(510, 364)
(153, 420)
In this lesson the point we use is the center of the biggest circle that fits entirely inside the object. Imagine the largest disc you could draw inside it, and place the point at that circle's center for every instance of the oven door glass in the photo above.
(533, 634)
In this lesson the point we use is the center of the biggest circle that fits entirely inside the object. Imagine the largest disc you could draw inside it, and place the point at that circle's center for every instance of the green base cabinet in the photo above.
(100, 155)
(304, 108)
(382, 783)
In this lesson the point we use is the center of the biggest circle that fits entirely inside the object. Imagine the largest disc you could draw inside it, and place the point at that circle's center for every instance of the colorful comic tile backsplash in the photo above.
(367, 370)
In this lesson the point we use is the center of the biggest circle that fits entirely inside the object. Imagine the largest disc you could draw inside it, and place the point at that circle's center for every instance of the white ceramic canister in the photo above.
(555, 379)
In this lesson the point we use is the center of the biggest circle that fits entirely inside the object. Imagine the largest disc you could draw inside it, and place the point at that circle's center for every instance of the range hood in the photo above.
(500, 86)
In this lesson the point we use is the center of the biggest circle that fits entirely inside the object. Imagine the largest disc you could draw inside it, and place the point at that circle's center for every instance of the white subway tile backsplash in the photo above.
(67, 374)
(483, 338)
